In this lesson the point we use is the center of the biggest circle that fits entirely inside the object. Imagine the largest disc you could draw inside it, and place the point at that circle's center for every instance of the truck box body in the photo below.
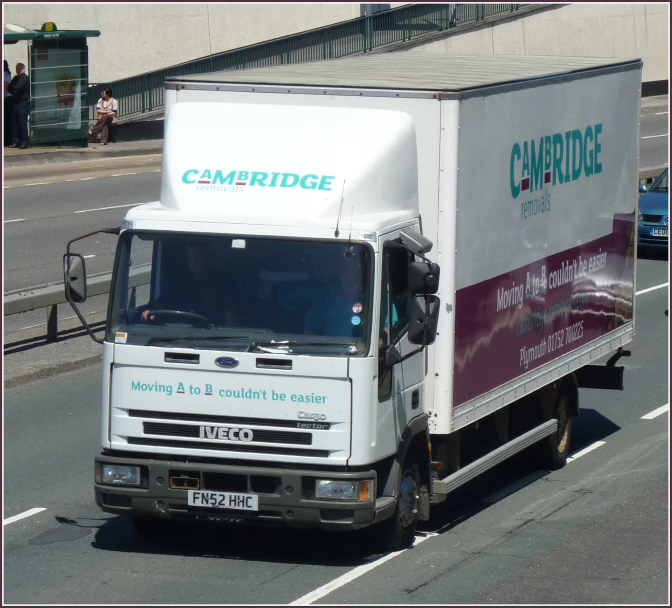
(527, 169)
(521, 171)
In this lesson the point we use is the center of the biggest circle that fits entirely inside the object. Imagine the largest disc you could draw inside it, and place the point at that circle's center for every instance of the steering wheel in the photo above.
(178, 316)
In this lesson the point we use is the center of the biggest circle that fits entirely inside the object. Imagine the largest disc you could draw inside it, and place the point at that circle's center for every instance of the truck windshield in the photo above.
(237, 293)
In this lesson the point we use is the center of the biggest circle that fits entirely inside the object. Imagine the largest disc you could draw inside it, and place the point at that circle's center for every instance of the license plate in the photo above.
(660, 232)
(223, 500)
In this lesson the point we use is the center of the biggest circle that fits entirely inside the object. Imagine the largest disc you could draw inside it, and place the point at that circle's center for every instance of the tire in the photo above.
(398, 532)
(555, 448)
(153, 527)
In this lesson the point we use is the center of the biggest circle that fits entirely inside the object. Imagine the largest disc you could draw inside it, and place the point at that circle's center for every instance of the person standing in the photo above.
(19, 87)
(8, 107)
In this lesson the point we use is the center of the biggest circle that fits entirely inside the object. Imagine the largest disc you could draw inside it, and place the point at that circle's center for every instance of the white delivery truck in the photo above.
(366, 282)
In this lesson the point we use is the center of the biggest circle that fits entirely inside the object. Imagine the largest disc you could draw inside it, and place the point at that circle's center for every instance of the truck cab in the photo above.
(264, 353)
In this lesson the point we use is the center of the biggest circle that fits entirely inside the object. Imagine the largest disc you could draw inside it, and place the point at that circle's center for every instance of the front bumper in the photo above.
(284, 495)
(646, 239)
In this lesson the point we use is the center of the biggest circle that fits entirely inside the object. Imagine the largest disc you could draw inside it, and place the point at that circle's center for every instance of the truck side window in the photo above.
(394, 283)
(140, 265)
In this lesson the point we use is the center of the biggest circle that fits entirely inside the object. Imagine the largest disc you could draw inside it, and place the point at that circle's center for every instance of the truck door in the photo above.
(401, 384)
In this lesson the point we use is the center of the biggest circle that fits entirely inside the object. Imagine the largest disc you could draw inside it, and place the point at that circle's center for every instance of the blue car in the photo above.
(654, 215)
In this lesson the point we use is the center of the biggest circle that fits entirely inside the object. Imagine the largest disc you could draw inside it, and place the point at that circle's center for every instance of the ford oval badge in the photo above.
(226, 362)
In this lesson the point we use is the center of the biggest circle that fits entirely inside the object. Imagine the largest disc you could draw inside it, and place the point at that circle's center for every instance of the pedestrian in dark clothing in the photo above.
(19, 87)
(7, 118)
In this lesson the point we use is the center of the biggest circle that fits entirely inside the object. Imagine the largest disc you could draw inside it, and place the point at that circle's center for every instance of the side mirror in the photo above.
(74, 277)
(642, 189)
(424, 320)
(423, 278)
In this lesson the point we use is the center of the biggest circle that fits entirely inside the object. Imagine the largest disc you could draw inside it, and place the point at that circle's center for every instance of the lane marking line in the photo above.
(651, 289)
(659, 113)
(10, 221)
(38, 184)
(652, 136)
(657, 412)
(120, 174)
(106, 208)
(585, 451)
(11, 520)
(348, 577)
(86, 257)
(94, 312)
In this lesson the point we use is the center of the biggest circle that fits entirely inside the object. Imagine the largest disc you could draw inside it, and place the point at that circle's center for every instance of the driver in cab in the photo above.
(204, 293)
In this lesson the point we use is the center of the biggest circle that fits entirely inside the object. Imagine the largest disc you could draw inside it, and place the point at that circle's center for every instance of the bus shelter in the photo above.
(58, 66)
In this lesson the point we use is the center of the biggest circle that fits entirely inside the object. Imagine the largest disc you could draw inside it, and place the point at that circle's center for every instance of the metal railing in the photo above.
(144, 93)
(49, 296)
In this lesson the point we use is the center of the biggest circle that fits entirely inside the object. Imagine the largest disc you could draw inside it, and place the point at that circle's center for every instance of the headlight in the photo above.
(639, 215)
(342, 489)
(119, 475)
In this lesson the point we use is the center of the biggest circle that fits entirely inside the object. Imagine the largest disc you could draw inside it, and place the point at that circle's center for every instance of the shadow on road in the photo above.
(28, 344)
(652, 253)
(244, 541)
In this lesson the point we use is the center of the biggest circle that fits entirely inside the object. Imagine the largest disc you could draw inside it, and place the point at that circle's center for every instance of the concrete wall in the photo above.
(137, 38)
(587, 30)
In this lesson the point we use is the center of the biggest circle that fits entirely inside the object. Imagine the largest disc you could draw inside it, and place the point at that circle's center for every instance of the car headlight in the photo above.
(639, 215)
(343, 489)
(118, 475)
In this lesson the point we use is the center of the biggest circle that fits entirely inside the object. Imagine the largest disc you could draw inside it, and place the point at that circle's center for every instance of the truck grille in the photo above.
(651, 219)
(190, 430)
(227, 447)
(291, 424)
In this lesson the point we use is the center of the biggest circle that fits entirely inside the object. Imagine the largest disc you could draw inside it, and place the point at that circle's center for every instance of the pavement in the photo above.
(43, 155)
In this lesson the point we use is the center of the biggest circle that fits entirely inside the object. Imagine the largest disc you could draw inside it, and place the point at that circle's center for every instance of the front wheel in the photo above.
(398, 532)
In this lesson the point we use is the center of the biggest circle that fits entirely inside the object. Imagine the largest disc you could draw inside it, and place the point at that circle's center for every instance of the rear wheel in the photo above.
(398, 531)
(555, 448)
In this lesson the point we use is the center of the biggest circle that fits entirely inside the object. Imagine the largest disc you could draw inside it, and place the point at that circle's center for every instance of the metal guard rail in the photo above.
(144, 93)
(52, 294)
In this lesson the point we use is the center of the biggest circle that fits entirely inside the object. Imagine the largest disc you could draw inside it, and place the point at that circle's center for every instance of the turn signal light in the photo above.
(366, 491)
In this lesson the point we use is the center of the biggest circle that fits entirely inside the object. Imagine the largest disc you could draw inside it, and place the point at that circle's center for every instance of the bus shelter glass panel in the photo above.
(59, 82)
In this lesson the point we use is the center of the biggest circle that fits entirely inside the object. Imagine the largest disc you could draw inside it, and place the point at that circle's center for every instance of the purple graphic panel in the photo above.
(509, 325)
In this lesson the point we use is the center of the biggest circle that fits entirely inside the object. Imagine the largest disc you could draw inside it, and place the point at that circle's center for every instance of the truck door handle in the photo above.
(415, 399)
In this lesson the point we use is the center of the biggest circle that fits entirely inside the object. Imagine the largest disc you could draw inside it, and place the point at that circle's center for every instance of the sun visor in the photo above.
(288, 165)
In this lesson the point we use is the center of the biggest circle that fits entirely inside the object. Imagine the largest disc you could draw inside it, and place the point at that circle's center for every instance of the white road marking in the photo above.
(86, 257)
(348, 577)
(657, 412)
(652, 136)
(94, 312)
(659, 113)
(38, 184)
(120, 174)
(585, 451)
(652, 289)
(10, 221)
(106, 208)
(11, 520)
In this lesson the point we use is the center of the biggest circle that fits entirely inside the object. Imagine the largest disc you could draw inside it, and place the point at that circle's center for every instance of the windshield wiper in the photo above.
(193, 339)
(267, 345)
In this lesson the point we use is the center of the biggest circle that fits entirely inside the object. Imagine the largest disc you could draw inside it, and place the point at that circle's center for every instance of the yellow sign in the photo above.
(49, 26)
